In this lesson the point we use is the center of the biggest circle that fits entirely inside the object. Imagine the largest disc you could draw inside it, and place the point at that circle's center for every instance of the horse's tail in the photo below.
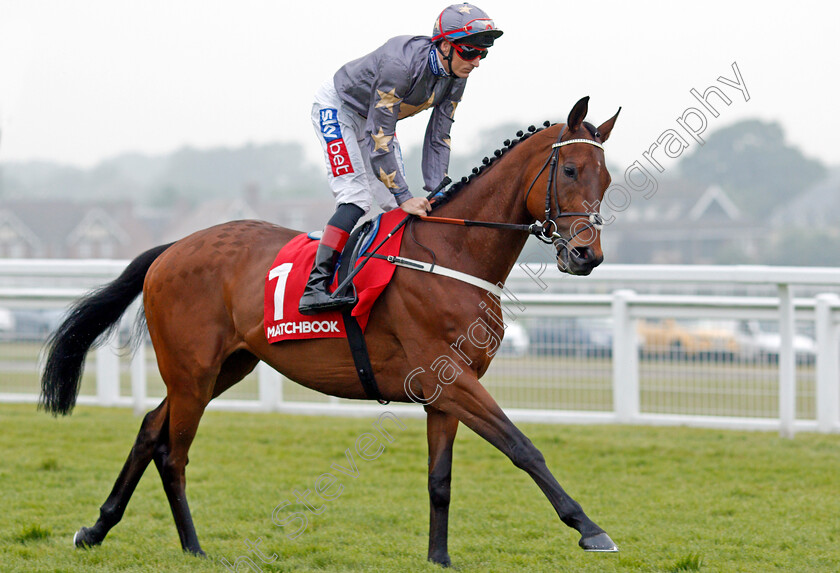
(87, 319)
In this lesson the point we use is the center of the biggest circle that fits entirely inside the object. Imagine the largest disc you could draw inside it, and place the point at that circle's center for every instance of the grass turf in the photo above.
(674, 499)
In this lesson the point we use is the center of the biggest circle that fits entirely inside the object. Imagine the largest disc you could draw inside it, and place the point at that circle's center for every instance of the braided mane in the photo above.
(507, 145)
(487, 162)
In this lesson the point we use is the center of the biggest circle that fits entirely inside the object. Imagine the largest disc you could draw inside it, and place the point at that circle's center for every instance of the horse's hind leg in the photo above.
(188, 395)
(171, 459)
(154, 424)
(440, 432)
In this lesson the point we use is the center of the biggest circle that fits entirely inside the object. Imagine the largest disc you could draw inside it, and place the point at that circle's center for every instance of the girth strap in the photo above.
(361, 358)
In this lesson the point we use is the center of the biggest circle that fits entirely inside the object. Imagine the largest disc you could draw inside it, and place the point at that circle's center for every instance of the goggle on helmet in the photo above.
(466, 24)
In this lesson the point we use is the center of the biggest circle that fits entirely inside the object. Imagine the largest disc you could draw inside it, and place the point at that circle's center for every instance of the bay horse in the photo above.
(203, 300)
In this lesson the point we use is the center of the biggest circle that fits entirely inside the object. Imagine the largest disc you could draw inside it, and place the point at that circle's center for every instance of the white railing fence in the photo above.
(617, 384)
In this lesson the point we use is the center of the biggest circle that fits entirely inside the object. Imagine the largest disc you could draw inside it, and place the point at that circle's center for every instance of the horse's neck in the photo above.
(495, 196)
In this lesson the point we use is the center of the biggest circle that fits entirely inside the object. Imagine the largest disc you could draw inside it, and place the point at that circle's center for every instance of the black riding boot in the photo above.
(315, 297)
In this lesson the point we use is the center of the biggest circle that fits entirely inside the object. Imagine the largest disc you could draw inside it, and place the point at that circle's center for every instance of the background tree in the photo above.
(755, 166)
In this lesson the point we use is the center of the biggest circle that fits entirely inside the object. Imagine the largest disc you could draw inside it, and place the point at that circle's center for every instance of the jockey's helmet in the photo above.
(466, 24)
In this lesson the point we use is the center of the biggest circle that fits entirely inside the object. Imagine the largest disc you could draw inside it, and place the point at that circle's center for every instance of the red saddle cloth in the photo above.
(287, 277)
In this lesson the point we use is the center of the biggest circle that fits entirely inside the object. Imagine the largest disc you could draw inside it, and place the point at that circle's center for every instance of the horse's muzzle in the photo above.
(577, 260)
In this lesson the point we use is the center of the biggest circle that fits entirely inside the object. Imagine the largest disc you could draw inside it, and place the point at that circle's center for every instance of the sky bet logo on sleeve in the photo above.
(336, 148)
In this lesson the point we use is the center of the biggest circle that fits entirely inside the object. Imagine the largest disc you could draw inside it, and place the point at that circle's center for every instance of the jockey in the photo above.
(355, 115)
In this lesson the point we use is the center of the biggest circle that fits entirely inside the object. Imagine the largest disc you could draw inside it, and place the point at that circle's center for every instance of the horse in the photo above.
(203, 304)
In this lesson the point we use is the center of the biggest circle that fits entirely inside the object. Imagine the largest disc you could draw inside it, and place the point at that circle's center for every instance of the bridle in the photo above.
(548, 228)
(546, 231)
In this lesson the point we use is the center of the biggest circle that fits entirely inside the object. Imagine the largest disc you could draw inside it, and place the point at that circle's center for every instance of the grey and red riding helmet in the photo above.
(470, 30)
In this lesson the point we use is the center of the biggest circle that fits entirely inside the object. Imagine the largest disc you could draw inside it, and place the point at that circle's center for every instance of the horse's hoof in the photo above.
(80, 539)
(601, 543)
(195, 551)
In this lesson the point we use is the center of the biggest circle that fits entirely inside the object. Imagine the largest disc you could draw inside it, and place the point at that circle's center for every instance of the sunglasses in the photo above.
(469, 53)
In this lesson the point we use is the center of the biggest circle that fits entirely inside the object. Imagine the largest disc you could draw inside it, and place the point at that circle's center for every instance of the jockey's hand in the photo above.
(416, 206)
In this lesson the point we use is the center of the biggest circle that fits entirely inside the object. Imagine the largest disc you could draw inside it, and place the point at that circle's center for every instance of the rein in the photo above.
(541, 229)
(545, 231)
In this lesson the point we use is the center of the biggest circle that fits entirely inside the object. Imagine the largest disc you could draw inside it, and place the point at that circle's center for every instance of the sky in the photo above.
(86, 80)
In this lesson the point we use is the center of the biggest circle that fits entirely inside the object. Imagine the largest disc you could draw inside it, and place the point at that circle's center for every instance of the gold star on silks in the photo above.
(407, 110)
(447, 141)
(454, 107)
(388, 178)
(388, 99)
(381, 140)
(464, 9)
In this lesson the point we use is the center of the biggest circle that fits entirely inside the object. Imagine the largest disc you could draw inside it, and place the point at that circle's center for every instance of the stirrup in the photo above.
(328, 301)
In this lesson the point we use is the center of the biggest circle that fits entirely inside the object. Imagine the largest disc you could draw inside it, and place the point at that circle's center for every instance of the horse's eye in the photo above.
(570, 171)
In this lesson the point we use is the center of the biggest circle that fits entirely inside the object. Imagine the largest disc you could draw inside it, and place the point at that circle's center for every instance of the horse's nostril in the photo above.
(582, 254)
(584, 259)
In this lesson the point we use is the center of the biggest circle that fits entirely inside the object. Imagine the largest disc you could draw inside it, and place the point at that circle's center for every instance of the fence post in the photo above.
(138, 379)
(787, 363)
(108, 373)
(270, 386)
(625, 360)
(828, 364)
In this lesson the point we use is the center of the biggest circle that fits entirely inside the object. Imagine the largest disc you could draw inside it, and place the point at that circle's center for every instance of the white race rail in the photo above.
(57, 282)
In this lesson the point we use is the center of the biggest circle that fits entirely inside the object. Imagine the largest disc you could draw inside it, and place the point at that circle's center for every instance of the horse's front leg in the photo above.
(467, 400)
(440, 431)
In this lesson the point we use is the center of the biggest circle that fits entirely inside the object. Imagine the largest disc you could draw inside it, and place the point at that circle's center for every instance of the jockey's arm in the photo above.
(436, 145)
(380, 129)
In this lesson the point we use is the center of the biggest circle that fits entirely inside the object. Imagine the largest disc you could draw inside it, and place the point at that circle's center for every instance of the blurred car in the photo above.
(571, 336)
(36, 324)
(515, 341)
(690, 339)
(761, 341)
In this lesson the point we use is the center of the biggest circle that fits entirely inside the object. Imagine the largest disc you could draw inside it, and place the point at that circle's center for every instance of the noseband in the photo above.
(546, 231)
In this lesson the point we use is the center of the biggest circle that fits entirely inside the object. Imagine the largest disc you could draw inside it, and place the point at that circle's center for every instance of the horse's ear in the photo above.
(578, 113)
(605, 128)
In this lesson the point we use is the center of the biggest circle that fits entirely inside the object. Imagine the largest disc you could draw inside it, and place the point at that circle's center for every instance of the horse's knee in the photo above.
(170, 465)
(525, 455)
(162, 459)
(439, 489)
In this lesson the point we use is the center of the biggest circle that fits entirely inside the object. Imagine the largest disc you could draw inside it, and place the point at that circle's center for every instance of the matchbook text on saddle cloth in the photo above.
(287, 277)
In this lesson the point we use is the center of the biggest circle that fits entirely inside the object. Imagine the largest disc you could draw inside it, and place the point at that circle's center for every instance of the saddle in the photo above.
(287, 277)
(360, 240)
